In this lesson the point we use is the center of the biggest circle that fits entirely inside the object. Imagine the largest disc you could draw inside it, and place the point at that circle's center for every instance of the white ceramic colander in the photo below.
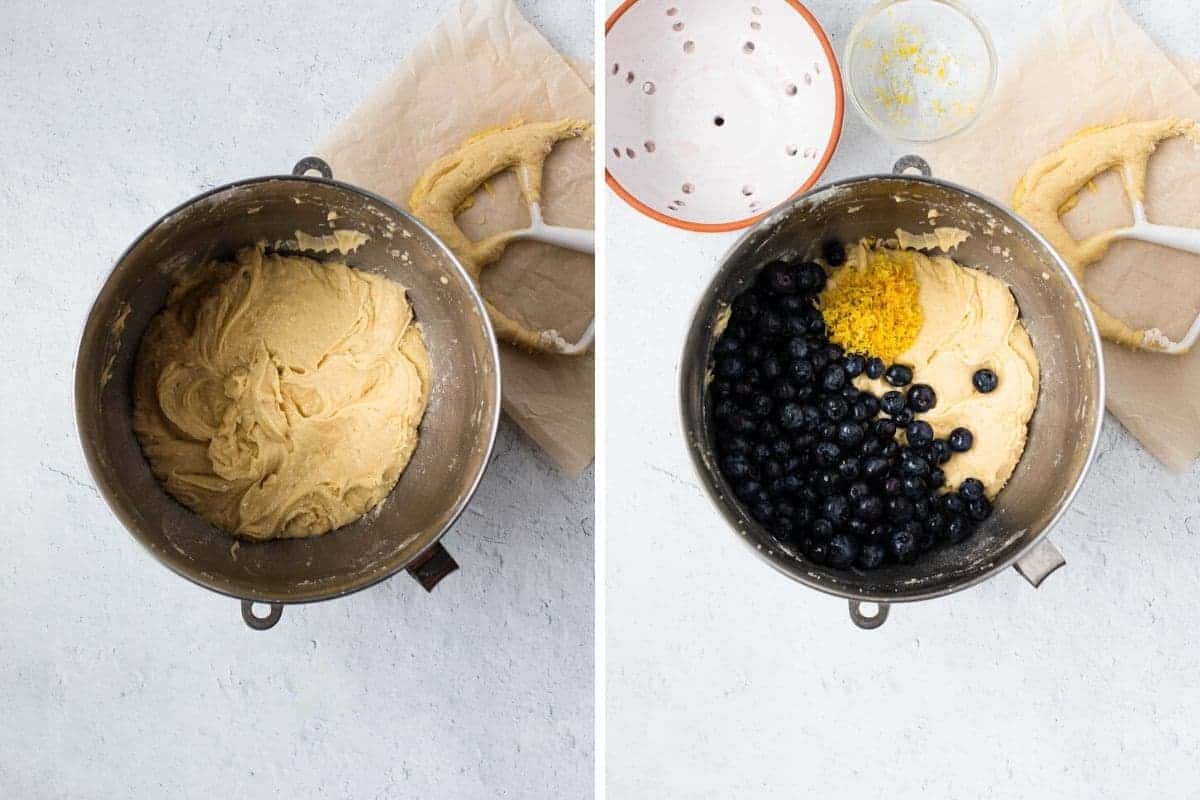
(718, 111)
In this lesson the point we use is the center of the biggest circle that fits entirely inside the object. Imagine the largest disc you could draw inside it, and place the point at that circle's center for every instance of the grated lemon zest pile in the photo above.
(871, 305)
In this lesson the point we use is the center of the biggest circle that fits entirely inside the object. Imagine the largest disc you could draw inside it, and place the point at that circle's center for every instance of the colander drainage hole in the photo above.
(719, 121)
(868, 610)
(260, 610)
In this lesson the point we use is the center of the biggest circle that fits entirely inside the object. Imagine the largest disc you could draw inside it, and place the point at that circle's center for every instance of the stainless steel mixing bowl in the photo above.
(1062, 434)
(457, 432)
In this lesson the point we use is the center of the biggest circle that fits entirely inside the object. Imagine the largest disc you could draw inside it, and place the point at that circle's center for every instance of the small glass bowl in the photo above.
(920, 70)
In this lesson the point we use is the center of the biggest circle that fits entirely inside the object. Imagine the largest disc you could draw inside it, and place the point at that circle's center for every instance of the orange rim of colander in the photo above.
(834, 136)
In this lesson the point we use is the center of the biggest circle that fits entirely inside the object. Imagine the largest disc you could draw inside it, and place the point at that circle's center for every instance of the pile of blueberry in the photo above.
(815, 460)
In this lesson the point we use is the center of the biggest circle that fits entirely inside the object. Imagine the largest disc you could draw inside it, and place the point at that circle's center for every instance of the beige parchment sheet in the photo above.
(485, 65)
(1091, 64)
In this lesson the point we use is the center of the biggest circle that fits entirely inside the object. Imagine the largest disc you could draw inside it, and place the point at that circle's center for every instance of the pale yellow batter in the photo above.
(447, 188)
(280, 396)
(971, 321)
(1051, 187)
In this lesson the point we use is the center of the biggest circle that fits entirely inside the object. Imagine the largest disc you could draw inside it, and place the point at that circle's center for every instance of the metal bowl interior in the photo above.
(1062, 433)
(457, 432)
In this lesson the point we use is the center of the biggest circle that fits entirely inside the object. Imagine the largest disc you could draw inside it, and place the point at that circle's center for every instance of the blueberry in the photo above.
(810, 278)
(953, 505)
(985, 381)
(979, 510)
(854, 366)
(771, 368)
(781, 448)
(731, 367)
(748, 489)
(849, 468)
(903, 544)
(937, 478)
(890, 450)
(858, 528)
(899, 509)
(833, 378)
(971, 489)
(919, 433)
(850, 433)
(818, 359)
(878, 534)
(735, 444)
(763, 511)
(836, 510)
(770, 324)
(779, 278)
(935, 523)
(812, 418)
(743, 423)
(827, 431)
(826, 482)
(721, 387)
(736, 467)
(835, 408)
(790, 483)
(913, 464)
(858, 412)
(801, 371)
(871, 403)
(760, 452)
(885, 428)
(871, 447)
(796, 347)
(857, 491)
(869, 508)
(783, 391)
(875, 368)
(939, 451)
(827, 454)
(821, 528)
(761, 406)
(772, 470)
(834, 252)
(834, 351)
(892, 486)
(913, 487)
(892, 403)
(898, 375)
(871, 556)
(957, 529)
(791, 416)
(960, 440)
(874, 468)
(904, 417)
(842, 551)
(755, 352)
(921, 397)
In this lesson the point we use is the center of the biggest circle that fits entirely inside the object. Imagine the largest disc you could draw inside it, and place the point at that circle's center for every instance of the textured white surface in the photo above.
(118, 679)
(727, 680)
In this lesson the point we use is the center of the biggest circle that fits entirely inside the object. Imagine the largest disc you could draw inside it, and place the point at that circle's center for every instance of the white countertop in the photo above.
(726, 680)
(120, 680)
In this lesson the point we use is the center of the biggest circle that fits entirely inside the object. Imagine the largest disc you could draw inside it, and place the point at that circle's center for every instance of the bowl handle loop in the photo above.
(1036, 565)
(863, 621)
(306, 165)
(912, 162)
(431, 566)
(257, 622)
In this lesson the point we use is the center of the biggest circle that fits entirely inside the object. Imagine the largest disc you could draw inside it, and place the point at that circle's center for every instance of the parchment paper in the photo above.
(485, 65)
(1092, 64)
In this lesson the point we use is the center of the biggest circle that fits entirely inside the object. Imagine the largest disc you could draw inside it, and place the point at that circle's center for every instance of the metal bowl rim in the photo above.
(389, 568)
(735, 519)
